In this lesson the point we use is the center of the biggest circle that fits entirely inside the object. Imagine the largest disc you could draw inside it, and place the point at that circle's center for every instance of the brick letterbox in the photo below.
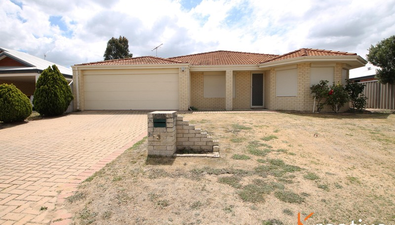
(162, 133)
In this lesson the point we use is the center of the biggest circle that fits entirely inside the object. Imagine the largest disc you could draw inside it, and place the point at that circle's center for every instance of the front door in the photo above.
(257, 90)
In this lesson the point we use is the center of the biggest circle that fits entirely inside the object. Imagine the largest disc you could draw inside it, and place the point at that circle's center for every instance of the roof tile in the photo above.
(134, 61)
(308, 52)
(220, 58)
(224, 58)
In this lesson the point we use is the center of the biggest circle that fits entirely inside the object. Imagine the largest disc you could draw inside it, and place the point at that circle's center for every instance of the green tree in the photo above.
(383, 55)
(320, 92)
(52, 95)
(117, 48)
(14, 105)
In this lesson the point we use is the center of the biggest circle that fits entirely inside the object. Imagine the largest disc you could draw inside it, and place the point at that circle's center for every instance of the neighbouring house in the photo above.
(23, 70)
(379, 96)
(218, 80)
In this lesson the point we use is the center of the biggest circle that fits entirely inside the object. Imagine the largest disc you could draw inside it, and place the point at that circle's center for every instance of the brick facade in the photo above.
(229, 89)
(184, 84)
(303, 101)
(197, 95)
(242, 99)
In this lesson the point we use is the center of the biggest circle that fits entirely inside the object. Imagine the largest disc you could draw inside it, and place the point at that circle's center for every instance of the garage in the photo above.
(138, 89)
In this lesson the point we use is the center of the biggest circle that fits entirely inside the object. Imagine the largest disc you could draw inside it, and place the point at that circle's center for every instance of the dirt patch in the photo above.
(272, 166)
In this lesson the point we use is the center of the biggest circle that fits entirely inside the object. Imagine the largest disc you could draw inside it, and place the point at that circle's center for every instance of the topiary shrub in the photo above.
(52, 95)
(14, 105)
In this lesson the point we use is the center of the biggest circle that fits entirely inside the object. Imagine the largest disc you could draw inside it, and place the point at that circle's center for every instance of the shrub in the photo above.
(320, 92)
(14, 105)
(337, 97)
(52, 95)
(357, 98)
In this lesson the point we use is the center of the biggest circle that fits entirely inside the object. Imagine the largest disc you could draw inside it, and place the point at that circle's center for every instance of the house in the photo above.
(379, 96)
(23, 70)
(218, 80)
(366, 73)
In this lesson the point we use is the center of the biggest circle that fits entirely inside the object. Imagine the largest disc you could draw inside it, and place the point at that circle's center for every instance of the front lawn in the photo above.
(272, 166)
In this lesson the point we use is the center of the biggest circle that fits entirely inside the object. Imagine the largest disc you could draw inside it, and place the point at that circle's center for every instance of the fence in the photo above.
(380, 96)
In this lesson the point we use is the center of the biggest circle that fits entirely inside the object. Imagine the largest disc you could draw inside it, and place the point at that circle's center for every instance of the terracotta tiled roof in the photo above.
(224, 58)
(134, 61)
(308, 52)
(220, 58)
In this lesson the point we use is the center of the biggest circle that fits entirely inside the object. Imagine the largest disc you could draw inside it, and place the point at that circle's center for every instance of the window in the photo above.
(344, 76)
(321, 73)
(287, 82)
(215, 85)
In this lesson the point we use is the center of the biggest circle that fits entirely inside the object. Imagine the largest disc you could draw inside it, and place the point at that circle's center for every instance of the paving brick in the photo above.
(9, 198)
(4, 195)
(13, 216)
(33, 198)
(6, 209)
(40, 160)
(15, 202)
(24, 220)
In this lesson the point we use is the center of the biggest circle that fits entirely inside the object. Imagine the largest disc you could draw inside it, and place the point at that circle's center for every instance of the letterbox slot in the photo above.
(159, 122)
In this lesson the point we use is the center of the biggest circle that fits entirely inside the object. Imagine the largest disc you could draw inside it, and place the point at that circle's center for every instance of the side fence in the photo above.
(380, 96)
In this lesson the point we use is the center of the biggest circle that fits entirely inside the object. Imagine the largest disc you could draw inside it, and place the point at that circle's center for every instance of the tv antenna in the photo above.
(156, 49)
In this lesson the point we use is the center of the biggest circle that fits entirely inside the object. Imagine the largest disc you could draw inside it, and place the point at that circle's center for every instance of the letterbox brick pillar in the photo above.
(162, 133)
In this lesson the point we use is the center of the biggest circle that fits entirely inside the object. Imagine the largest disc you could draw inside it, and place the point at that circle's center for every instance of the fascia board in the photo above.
(18, 75)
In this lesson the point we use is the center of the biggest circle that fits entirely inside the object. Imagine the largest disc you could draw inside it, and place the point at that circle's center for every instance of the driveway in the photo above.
(43, 161)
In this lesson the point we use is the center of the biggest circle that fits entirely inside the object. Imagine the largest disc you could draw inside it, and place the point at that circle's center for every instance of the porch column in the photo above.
(183, 88)
(229, 90)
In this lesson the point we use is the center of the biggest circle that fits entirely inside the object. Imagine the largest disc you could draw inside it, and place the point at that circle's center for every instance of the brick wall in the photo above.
(229, 89)
(193, 139)
(183, 89)
(303, 101)
(26, 87)
(197, 95)
(162, 140)
(10, 62)
(242, 98)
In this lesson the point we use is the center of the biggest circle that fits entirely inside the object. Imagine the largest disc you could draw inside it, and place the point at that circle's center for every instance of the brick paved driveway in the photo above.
(42, 161)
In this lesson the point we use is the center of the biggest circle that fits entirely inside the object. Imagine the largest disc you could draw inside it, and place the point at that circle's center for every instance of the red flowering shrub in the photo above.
(337, 97)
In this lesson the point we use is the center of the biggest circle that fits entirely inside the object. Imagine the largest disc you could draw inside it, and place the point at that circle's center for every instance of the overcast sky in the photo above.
(70, 32)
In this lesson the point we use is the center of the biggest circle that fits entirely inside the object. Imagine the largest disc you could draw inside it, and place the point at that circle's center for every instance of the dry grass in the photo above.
(272, 166)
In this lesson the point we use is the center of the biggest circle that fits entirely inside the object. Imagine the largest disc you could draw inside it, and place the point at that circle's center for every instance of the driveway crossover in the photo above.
(43, 161)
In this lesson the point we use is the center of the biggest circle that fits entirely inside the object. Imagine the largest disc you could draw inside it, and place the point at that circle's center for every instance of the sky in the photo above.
(71, 32)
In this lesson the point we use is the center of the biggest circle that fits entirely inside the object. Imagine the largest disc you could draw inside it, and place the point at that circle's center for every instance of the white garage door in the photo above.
(131, 90)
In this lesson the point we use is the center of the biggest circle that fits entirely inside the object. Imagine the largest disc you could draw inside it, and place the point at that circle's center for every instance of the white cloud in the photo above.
(188, 27)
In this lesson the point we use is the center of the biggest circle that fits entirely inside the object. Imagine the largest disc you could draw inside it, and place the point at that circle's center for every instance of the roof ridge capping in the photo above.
(160, 58)
(219, 51)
